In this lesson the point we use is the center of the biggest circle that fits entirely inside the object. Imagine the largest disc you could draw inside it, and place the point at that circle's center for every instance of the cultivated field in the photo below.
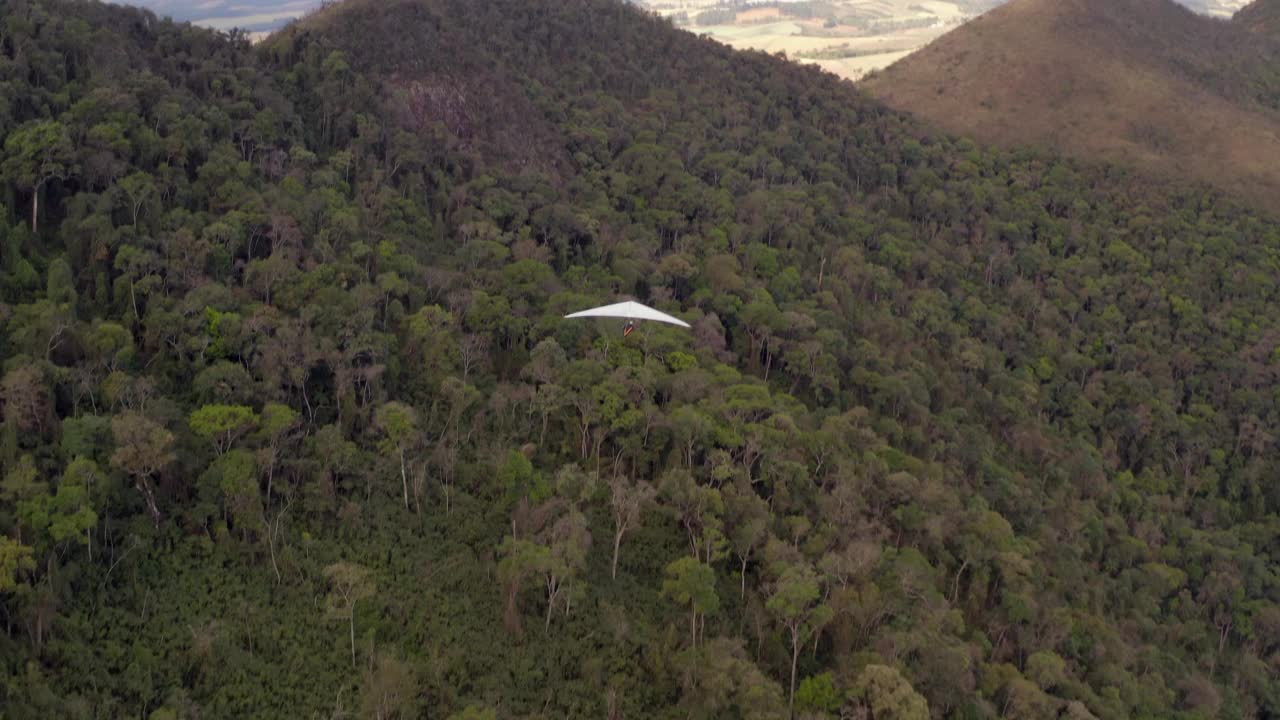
(851, 39)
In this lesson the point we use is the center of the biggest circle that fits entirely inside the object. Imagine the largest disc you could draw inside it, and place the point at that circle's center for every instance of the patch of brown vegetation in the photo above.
(1140, 82)
(434, 75)
(755, 15)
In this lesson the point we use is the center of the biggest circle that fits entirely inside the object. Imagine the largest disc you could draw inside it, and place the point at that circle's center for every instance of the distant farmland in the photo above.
(865, 35)
(848, 38)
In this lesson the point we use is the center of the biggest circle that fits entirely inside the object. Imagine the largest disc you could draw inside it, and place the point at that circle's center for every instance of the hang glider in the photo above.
(632, 312)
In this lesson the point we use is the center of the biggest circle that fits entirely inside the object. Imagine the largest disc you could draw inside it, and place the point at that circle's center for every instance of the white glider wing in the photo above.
(630, 310)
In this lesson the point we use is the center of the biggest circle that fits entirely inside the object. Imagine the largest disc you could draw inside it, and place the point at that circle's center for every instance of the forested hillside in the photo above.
(294, 428)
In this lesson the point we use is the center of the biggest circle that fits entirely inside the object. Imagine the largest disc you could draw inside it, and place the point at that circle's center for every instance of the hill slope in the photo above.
(1142, 82)
(1261, 16)
(294, 425)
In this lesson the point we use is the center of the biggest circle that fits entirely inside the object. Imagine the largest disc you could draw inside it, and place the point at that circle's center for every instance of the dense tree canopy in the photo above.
(292, 426)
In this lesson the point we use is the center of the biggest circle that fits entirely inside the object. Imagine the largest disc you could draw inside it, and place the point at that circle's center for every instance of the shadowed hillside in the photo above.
(1145, 82)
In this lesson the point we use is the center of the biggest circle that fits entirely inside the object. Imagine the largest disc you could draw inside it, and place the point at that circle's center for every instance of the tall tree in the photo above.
(627, 501)
(693, 583)
(27, 401)
(399, 425)
(278, 424)
(71, 513)
(747, 516)
(36, 153)
(796, 600)
(143, 449)
(349, 583)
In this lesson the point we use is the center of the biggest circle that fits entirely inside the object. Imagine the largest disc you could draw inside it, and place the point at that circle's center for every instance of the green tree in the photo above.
(14, 559)
(276, 426)
(72, 514)
(36, 153)
(399, 425)
(138, 189)
(796, 600)
(521, 561)
(42, 327)
(223, 424)
(747, 515)
(718, 679)
(520, 481)
(349, 583)
(108, 348)
(692, 583)
(138, 267)
(238, 478)
(818, 694)
(28, 495)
